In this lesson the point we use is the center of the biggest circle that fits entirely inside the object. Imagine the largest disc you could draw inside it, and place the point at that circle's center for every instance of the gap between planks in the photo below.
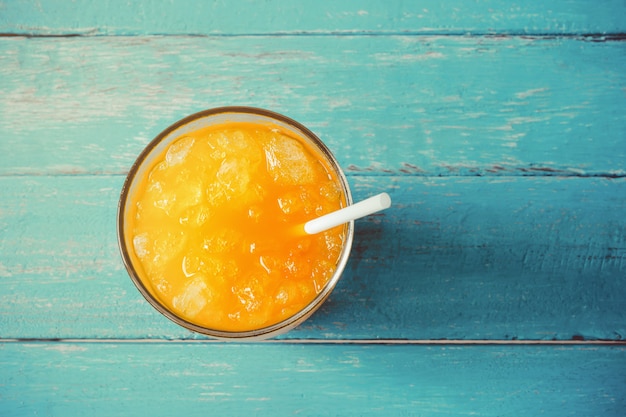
(589, 37)
(434, 342)
(351, 171)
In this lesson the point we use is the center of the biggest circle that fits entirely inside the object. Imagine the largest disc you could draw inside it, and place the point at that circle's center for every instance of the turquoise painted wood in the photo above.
(384, 104)
(320, 380)
(534, 258)
(183, 17)
(494, 286)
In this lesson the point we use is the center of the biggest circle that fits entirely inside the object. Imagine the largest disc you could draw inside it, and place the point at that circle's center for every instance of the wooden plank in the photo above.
(534, 258)
(115, 17)
(348, 380)
(384, 105)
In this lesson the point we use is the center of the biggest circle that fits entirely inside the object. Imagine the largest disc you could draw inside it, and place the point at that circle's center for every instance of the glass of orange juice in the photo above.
(210, 223)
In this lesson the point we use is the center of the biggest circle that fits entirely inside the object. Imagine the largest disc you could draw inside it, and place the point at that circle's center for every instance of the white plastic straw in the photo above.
(344, 215)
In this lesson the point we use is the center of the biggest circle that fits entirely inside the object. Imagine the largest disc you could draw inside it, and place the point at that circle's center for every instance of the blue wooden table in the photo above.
(494, 286)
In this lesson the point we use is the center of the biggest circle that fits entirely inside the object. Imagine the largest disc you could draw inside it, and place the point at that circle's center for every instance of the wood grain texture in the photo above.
(321, 380)
(497, 127)
(384, 105)
(115, 17)
(534, 258)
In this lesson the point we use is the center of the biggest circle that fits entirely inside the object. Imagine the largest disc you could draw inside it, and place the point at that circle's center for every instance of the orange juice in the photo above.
(213, 227)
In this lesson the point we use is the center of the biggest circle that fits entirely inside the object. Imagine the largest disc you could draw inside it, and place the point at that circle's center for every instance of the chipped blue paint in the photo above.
(282, 379)
(120, 17)
(454, 258)
(399, 105)
(498, 128)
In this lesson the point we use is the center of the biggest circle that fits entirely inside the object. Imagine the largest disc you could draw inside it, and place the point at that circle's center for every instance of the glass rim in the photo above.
(254, 334)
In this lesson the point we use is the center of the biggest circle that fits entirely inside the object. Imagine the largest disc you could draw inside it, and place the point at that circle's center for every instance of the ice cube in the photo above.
(165, 201)
(287, 297)
(232, 180)
(331, 191)
(305, 290)
(157, 173)
(333, 243)
(247, 298)
(220, 270)
(221, 241)
(268, 262)
(195, 295)
(175, 198)
(195, 216)
(318, 285)
(238, 143)
(233, 140)
(217, 154)
(186, 196)
(165, 246)
(290, 203)
(291, 265)
(162, 285)
(157, 193)
(261, 316)
(155, 187)
(298, 200)
(296, 264)
(288, 162)
(250, 294)
(282, 296)
(140, 244)
(321, 273)
(178, 150)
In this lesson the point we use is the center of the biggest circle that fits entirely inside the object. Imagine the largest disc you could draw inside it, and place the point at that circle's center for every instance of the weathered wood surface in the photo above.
(185, 17)
(530, 258)
(497, 127)
(322, 380)
(403, 105)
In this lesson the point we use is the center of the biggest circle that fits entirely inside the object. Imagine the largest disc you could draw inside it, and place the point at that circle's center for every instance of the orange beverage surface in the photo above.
(215, 226)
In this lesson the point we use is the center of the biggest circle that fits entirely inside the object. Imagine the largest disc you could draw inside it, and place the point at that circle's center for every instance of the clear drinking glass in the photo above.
(156, 148)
